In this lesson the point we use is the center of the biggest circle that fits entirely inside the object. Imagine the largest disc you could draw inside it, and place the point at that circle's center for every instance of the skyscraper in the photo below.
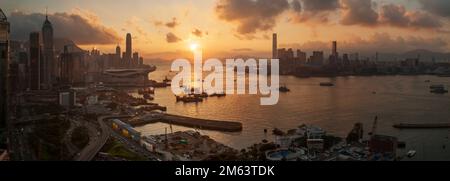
(128, 51)
(35, 61)
(118, 51)
(135, 58)
(334, 49)
(274, 46)
(48, 64)
(4, 60)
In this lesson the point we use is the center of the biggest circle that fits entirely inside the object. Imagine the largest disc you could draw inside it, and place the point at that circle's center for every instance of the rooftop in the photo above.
(3, 17)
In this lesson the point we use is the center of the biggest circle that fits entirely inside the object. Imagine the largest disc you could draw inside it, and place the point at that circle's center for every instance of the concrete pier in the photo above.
(227, 126)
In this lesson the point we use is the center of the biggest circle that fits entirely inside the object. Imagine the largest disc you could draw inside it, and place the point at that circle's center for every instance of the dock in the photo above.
(206, 124)
(422, 126)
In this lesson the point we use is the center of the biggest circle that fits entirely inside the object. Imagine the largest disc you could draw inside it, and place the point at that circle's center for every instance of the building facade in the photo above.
(4, 61)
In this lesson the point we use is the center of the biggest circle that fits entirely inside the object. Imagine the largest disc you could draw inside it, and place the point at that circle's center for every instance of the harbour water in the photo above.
(394, 99)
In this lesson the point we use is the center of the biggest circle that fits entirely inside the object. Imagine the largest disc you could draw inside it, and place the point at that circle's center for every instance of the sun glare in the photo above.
(193, 46)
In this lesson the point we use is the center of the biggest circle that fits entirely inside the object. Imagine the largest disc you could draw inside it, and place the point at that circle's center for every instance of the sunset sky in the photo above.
(165, 28)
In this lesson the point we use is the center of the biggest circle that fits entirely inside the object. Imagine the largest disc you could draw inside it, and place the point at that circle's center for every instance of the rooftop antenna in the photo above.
(46, 13)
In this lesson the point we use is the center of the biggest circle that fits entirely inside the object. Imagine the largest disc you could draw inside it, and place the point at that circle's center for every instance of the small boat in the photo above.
(440, 86)
(326, 84)
(284, 89)
(411, 153)
(427, 81)
(148, 96)
(439, 91)
(218, 95)
(202, 95)
(188, 99)
(277, 132)
(167, 80)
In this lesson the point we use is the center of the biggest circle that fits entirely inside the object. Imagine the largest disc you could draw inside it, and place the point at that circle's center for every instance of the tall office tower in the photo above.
(317, 58)
(301, 57)
(35, 62)
(129, 47)
(118, 51)
(274, 46)
(135, 58)
(66, 70)
(334, 51)
(141, 61)
(4, 60)
(48, 73)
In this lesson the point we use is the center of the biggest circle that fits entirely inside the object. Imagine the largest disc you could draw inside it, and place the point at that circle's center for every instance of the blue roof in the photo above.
(126, 126)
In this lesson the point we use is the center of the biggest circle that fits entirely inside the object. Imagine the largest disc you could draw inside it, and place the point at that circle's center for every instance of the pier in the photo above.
(422, 126)
(227, 126)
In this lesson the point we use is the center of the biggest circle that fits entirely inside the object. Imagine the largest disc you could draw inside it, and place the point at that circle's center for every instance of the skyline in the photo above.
(165, 29)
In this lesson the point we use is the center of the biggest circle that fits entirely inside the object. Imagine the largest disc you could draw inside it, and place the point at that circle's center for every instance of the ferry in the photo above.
(438, 89)
(326, 84)
(218, 95)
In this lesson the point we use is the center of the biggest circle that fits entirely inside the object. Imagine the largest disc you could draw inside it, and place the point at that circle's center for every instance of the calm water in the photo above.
(336, 109)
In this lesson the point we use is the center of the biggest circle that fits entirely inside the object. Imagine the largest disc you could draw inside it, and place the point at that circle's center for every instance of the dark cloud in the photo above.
(397, 15)
(359, 12)
(197, 33)
(296, 6)
(251, 16)
(313, 10)
(173, 23)
(320, 5)
(81, 28)
(172, 38)
(437, 7)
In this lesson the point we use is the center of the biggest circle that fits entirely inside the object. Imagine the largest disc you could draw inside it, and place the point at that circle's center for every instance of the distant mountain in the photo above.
(59, 44)
(426, 55)
(423, 54)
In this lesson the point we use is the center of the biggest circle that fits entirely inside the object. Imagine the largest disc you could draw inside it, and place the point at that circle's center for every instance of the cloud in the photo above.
(313, 10)
(397, 15)
(251, 16)
(158, 23)
(437, 7)
(173, 23)
(172, 38)
(359, 12)
(197, 33)
(135, 24)
(80, 26)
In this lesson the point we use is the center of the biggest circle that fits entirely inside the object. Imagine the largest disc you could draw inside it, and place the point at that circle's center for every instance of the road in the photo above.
(94, 146)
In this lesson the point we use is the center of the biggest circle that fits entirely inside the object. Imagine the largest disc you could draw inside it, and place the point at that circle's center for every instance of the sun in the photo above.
(193, 46)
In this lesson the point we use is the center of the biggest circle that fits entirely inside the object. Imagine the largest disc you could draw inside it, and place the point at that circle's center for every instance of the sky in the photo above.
(165, 28)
